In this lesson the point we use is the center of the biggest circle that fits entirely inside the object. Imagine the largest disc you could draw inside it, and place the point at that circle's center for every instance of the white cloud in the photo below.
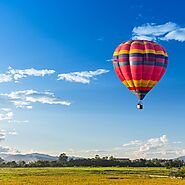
(159, 147)
(6, 114)
(4, 149)
(4, 133)
(177, 142)
(6, 109)
(144, 37)
(154, 143)
(7, 149)
(16, 74)
(25, 98)
(151, 31)
(87, 153)
(81, 77)
(178, 35)
(181, 152)
(5, 78)
(13, 133)
(18, 121)
(132, 143)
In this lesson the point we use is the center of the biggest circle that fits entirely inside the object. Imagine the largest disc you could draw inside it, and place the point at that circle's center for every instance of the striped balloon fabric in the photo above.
(140, 64)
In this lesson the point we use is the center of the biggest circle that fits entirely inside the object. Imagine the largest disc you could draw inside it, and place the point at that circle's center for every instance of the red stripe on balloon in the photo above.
(125, 72)
(140, 88)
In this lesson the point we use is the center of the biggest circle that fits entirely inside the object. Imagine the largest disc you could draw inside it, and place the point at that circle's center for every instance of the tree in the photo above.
(21, 164)
(111, 158)
(105, 158)
(62, 159)
(97, 157)
(12, 164)
(1, 160)
(180, 173)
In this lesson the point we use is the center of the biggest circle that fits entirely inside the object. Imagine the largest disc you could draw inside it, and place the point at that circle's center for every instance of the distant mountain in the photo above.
(181, 158)
(28, 157)
(31, 157)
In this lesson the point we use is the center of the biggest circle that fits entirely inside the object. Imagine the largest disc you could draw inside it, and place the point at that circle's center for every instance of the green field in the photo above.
(87, 176)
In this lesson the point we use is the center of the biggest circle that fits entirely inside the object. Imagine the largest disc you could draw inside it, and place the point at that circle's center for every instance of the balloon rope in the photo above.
(140, 102)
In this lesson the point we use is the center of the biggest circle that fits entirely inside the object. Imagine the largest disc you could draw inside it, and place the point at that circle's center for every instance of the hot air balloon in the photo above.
(140, 64)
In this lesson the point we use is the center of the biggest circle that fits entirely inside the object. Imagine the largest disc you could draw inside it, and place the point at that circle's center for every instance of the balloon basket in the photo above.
(139, 106)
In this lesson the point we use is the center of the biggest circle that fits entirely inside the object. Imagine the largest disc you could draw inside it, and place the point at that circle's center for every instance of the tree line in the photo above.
(97, 161)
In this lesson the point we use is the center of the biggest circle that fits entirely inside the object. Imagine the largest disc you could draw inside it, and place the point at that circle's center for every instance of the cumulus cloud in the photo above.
(5, 78)
(4, 149)
(178, 35)
(6, 114)
(7, 149)
(155, 147)
(81, 77)
(154, 143)
(133, 143)
(180, 152)
(4, 133)
(16, 74)
(159, 147)
(87, 153)
(144, 37)
(25, 98)
(152, 31)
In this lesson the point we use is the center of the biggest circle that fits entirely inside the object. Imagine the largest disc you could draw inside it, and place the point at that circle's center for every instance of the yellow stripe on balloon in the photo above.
(160, 52)
(129, 83)
(139, 83)
(139, 42)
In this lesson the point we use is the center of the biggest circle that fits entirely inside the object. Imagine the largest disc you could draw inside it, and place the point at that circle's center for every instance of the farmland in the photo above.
(88, 176)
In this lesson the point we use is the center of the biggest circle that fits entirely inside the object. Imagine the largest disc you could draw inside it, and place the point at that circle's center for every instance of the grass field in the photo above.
(87, 176)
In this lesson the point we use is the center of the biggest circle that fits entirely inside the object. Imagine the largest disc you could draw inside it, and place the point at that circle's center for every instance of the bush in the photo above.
(180, 173)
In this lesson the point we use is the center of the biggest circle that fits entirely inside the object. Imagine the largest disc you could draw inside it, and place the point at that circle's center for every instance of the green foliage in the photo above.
(97, 161)
(62, 160)
(180, 173)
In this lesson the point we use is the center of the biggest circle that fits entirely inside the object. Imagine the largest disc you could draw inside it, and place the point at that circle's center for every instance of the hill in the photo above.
(181, 158)
(28, 157)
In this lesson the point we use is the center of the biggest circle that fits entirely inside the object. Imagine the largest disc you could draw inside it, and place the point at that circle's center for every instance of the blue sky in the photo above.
(92, 113)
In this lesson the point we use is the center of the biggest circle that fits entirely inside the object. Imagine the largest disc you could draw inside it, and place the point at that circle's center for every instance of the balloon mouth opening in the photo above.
(140, 96)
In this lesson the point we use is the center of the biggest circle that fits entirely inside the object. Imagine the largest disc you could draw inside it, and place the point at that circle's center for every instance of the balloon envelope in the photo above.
(140, 64)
